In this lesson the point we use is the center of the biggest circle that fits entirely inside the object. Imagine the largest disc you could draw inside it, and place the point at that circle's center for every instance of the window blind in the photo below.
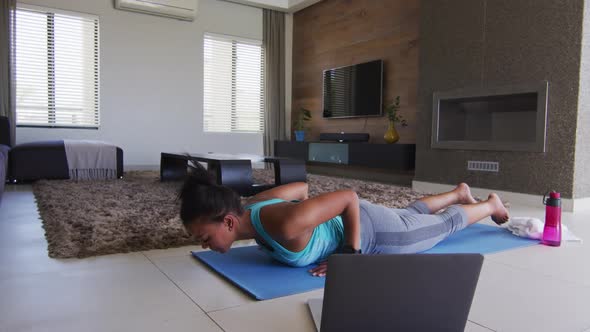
(233, 85)
(57, 68)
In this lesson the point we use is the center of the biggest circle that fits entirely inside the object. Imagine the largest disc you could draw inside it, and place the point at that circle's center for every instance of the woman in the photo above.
(300, 231)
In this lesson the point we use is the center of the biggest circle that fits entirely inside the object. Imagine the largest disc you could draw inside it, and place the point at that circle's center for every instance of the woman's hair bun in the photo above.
(200, 196)
(197, 174)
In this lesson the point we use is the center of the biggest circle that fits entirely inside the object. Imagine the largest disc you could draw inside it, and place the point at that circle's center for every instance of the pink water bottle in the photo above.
(552, 230)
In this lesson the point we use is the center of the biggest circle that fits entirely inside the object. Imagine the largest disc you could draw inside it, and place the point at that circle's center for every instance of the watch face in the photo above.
(348, 249)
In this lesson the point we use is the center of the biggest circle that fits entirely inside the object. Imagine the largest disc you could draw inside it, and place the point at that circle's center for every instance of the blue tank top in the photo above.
(326, 238)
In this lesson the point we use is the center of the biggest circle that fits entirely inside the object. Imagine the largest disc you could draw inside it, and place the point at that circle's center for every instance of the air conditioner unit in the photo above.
(179, 9)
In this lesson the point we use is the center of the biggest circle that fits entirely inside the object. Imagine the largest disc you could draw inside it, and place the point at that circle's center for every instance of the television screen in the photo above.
(353, 91)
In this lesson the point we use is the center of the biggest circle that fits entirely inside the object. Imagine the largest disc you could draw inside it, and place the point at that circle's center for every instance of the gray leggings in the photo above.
(410, 230)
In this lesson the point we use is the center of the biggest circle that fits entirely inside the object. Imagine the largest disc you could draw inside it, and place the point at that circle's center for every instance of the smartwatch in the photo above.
(348, 249)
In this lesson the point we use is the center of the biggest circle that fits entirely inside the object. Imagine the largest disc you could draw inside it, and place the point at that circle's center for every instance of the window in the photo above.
(233, 85)
(56, 68)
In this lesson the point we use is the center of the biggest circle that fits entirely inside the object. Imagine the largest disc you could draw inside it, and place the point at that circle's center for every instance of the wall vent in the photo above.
(483, 166)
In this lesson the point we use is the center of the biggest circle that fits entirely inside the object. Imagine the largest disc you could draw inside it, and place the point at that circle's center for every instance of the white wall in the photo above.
(151, 80)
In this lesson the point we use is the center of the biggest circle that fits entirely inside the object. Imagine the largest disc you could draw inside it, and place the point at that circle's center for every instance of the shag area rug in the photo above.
(139, 212)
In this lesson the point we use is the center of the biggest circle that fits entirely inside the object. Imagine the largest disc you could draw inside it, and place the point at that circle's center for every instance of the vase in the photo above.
(299, 135)
(391, 136)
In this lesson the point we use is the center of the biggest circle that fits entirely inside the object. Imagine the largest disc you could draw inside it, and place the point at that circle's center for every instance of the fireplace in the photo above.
(509, 118)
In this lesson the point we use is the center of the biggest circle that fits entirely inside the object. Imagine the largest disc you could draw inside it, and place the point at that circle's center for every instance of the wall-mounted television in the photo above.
(354, 91)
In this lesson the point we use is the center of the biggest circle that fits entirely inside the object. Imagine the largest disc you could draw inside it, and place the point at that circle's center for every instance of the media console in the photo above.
(400, 157)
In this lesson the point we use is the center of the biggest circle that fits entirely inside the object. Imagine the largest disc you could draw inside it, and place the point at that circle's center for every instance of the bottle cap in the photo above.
(554, 195)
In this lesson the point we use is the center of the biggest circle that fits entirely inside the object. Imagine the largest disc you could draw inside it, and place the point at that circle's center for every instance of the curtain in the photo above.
(273, 28)
(7, 68)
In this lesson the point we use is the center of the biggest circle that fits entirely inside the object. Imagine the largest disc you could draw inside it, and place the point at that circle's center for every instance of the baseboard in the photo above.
(141, 168)
(257, 165)
(567, 204)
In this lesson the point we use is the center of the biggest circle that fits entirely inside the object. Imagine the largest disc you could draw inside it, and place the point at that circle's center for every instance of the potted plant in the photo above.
(303, 116)
(391, 135)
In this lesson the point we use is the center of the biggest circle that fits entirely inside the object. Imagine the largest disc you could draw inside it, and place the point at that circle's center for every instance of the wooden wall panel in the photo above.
(334, 33)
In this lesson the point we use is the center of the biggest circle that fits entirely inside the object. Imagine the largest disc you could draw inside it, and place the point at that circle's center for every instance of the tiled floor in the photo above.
(531, 289)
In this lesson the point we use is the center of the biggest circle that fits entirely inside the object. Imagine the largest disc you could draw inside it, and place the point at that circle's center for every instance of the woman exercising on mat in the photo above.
(299, 231)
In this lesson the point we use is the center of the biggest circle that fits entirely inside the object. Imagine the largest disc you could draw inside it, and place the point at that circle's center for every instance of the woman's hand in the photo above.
(320, 270)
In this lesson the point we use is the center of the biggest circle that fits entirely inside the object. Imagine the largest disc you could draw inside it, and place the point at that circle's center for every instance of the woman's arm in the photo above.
(291, 191)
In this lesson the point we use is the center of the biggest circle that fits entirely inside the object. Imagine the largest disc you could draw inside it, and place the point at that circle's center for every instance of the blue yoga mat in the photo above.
(257, 274)
(480, 239)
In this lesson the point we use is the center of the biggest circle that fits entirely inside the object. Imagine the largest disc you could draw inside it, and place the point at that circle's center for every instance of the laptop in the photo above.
(412, 292)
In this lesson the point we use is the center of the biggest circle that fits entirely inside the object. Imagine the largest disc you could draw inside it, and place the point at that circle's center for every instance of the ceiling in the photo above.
(287, 6)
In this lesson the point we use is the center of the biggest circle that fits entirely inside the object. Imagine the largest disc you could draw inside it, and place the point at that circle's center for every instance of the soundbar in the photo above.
(345, 137)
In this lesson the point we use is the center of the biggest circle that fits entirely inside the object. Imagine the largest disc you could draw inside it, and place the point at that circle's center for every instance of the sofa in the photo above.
(44, 160)
(4, 149)
(3, 167)
(41, 160)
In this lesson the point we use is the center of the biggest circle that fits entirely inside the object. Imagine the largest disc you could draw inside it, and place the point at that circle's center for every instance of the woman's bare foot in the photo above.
(500, 213)
(464, 193)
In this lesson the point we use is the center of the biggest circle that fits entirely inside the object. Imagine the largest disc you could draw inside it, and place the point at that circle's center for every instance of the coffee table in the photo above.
(233, 170)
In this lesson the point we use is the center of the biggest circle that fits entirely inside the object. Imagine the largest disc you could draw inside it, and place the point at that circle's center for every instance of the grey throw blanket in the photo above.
(91, 160)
